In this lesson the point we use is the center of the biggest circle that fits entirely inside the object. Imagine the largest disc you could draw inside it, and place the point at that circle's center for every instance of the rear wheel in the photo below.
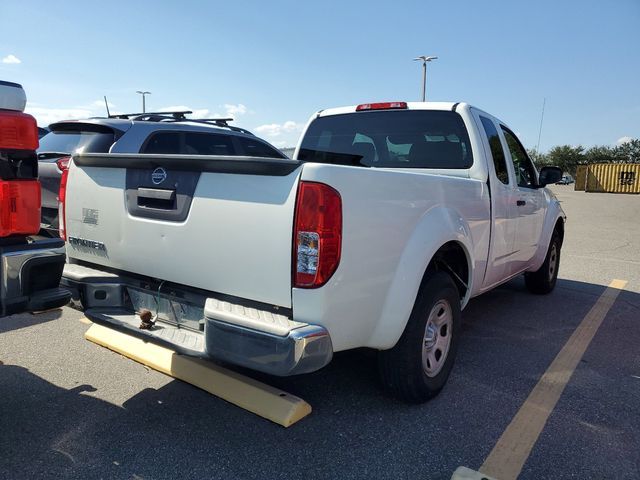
(543, 280)
(418, 366)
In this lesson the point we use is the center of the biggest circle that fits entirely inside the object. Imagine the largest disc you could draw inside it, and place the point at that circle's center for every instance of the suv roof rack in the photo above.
(179, 116)
(176, 114)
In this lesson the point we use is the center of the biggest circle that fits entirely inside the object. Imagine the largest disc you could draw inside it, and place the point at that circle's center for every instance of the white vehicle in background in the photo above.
(390, 217)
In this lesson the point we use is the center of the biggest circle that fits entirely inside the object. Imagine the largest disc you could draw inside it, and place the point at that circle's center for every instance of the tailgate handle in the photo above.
(156, 193)
(156, 198)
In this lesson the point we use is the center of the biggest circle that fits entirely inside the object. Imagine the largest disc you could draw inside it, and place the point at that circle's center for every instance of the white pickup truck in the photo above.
(390, 217)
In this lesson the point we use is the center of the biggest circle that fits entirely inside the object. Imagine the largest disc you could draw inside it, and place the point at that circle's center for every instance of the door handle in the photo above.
(521, 203)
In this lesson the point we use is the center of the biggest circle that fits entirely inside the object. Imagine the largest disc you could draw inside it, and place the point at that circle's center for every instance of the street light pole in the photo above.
(424, 59)
(144, 94)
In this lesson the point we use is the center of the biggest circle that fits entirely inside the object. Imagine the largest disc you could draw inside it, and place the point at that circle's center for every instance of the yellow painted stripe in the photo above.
(507, 458)
(268, 402)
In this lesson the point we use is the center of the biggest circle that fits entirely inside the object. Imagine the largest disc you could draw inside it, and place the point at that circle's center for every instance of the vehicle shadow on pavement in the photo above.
(177, 431)
(23, 320)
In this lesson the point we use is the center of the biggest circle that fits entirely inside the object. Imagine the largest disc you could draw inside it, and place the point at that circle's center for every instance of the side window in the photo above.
(499, 160)
(255, 148)
(162, 142)
(525, 173)
(207, 144)
(188, 143)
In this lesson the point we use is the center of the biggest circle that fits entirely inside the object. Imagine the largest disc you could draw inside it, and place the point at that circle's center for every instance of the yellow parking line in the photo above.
(514, 446)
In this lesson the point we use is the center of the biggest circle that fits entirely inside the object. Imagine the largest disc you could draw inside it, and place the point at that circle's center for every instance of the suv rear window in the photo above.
(389, 139)
(71, 138)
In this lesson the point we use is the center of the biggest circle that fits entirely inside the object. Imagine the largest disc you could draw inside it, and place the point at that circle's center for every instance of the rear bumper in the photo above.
(236, 333)
(30, 276)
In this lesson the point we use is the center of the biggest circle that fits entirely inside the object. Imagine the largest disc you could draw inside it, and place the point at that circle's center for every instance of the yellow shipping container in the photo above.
(613, 178)
(581, 178)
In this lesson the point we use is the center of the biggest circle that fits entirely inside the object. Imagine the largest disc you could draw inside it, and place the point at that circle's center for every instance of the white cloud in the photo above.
(197, 112)
(11, 58)
(277, 129)
(100, 104)
(45, 115)
(234, 111)
(624, 139)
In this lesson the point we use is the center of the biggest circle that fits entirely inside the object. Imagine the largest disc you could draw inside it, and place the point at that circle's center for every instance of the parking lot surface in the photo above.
(71, 409)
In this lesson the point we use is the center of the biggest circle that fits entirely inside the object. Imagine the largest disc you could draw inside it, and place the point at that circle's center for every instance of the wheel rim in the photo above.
(553, 261)
(437, 338)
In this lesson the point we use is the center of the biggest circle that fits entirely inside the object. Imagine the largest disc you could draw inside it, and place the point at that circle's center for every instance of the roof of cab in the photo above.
(410, 106)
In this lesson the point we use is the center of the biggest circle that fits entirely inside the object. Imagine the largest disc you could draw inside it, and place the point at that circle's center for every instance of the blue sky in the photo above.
(272, 64)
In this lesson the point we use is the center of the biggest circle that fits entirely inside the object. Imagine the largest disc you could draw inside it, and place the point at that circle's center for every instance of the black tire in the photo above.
(543, 280)
(401, 368)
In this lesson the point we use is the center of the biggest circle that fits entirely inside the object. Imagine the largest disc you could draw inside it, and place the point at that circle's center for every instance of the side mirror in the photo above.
(549, 175)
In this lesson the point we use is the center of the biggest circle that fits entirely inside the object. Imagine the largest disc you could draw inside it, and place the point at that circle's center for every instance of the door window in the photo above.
(525, 172)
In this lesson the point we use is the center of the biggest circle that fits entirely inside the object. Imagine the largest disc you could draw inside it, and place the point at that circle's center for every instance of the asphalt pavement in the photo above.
(71, 409)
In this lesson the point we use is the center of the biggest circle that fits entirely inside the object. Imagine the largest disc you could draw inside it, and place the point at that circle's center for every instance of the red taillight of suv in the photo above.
(317, 234)
(19, 207)
(62, 198)
(63, 163)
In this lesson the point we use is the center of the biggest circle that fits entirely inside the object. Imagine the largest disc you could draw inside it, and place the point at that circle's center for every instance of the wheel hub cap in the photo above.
(437, 338)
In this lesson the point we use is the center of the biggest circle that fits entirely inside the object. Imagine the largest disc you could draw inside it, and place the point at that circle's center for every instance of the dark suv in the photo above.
(164, 132)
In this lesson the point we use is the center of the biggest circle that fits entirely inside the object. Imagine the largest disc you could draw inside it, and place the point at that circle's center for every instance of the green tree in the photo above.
(566, 157)
(600, 154)
(628, 152)
(539, 158)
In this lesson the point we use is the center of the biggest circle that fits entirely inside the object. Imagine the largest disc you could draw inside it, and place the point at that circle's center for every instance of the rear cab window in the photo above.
(497, 152)
(389, 139)
(77, 137)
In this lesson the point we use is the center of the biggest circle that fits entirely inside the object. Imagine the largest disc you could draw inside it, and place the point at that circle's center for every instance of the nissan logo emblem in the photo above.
(158, 176)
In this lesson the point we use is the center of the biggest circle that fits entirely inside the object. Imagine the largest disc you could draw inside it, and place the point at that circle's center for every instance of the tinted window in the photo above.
(499, 160)
(390, 139)
(165, 142)
(77, 138)
(255, 148)
(189, 143)
(525, 173)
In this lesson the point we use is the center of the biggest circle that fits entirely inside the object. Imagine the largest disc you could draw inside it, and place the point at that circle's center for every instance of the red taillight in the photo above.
(19, 207)
(317, 234)
(62, 197)
(63, 163)
(382, 106)
(18, 131)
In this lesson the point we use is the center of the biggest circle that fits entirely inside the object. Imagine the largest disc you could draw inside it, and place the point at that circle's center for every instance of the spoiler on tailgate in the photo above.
(200, 163)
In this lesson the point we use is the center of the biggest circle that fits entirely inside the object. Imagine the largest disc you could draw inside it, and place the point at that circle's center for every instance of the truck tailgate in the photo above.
(223, 224)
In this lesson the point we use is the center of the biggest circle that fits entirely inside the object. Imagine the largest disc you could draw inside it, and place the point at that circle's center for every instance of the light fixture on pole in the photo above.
(424, 59)
(144, 109)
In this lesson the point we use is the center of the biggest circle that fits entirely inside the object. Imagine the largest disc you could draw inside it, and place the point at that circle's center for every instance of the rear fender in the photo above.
(437, 227)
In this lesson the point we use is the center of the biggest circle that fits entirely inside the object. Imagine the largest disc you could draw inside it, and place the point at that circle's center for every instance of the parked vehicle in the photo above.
(390, 217)
(565, 180)
(30, 267)
(134, 133)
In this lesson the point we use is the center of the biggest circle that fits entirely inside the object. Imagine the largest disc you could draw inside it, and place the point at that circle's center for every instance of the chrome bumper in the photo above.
(248, 339)
(303, 350)
(30, 276)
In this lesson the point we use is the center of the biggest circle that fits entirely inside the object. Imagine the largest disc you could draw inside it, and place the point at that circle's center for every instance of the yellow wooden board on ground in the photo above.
(268, 402)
